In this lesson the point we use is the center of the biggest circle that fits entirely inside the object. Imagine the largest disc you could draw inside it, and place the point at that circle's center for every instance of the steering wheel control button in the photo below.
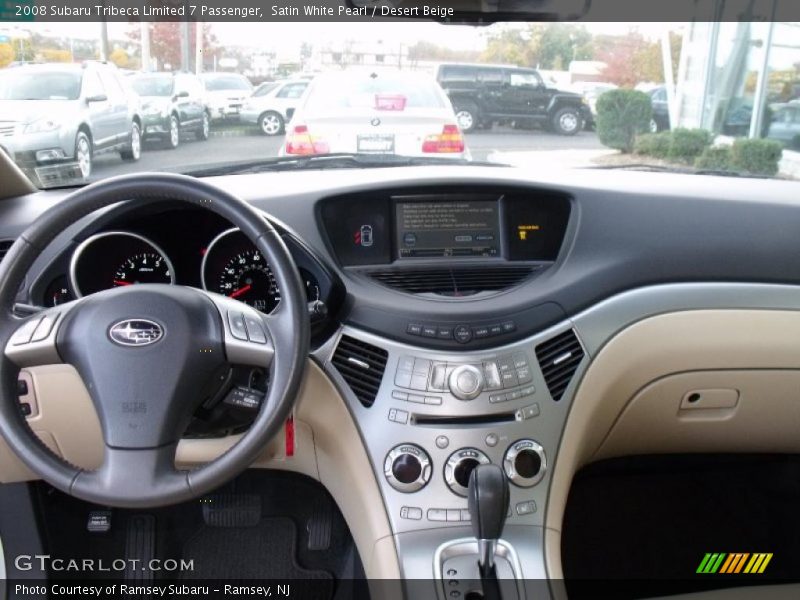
(45, 326)
(411, 512)
(525, 463)
(527, 412)
(24, 334)
(459, 467)
(255, 331)
(442, 442)
(407, 468)
(525, 508)
(466, 382)
(463, 334)
(237, 326)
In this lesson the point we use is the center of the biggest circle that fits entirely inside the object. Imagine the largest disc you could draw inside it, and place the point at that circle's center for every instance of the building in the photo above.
(741, 79)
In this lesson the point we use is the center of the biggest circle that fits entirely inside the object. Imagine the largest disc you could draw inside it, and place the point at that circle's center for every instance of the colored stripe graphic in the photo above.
(733, 563)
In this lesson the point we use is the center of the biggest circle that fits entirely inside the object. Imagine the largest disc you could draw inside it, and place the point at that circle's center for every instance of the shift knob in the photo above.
(488, 506)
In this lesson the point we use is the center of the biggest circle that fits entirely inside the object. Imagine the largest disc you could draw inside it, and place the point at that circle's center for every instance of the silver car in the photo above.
(272, 104)
(55, 117)
(375, 112)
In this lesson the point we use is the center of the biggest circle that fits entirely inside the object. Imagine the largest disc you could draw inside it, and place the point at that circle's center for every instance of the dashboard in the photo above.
(464, 306)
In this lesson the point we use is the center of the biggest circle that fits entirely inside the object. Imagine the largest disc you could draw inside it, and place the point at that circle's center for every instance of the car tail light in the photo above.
(300, 141)
(450, 140)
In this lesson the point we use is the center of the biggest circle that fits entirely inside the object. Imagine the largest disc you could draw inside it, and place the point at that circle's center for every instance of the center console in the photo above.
(430, 417)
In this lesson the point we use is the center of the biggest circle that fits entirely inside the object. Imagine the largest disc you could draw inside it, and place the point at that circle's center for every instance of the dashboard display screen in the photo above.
(427, 229)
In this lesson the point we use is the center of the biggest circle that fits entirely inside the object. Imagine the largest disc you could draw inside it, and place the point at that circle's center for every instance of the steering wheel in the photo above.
(148, 353)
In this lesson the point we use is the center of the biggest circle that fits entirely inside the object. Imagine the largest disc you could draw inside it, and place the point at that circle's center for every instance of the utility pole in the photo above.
(104, 40)
(198, 47)
(185, 46)
(145, 35)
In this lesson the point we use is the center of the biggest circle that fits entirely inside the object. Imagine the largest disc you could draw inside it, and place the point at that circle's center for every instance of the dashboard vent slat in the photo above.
(5, 245)
(361, 365)
(559, 358)
(453, 282)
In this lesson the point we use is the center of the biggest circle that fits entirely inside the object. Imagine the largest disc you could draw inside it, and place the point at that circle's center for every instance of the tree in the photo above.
(165, 42)
(55, 55)
(424, 50)
(119, 57)
(6, 55)
(632, 59)
(546, 46)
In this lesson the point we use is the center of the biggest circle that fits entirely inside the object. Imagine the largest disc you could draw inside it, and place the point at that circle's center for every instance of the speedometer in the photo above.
(247, 277)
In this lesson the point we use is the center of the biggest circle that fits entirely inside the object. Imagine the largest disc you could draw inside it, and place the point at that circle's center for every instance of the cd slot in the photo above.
(463, 421)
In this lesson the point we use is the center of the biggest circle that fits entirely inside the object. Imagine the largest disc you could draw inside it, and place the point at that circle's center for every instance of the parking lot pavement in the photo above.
(235, 143)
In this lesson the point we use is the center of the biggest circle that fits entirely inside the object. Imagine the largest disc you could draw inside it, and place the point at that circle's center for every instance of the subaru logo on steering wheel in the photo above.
(375, 122)
(135, 332)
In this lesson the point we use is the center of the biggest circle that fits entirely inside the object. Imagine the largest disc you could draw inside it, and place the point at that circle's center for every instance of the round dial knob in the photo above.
(525, 463)
(407, 468)
(466, 382)
(459, 467)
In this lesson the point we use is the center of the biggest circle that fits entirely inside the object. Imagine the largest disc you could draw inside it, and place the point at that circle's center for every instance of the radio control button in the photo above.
(463, 334)
(466, 382)
(492, 375)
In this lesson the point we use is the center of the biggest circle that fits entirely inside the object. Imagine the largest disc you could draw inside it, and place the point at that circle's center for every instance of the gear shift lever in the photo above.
(488, 506)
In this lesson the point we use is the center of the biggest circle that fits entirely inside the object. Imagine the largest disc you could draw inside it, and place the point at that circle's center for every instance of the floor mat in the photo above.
(265, 551)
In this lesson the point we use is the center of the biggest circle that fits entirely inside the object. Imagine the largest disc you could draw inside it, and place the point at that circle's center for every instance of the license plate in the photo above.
(376, 143)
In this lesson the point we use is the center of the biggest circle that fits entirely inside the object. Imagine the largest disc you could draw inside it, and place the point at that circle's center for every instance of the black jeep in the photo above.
(486, 94)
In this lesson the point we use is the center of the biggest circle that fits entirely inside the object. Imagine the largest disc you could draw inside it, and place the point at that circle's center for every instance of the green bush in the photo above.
(757, 157)
(715, 158)
(621, 116)
(687, 144)
(653, 144)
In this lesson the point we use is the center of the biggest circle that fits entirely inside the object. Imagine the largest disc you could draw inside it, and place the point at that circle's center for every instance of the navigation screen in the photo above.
(434, 229)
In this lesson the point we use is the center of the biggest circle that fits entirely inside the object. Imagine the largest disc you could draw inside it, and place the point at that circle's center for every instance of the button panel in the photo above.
(461, 333)
(465, 381)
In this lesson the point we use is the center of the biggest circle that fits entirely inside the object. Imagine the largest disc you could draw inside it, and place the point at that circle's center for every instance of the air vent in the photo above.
(453, 282)
(559, 358)
(361, 365)
(4, 247)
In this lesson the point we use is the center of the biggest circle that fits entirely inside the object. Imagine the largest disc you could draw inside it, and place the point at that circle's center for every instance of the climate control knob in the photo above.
(407, 468)
(459, 467)
(466, 382)
(525, 463)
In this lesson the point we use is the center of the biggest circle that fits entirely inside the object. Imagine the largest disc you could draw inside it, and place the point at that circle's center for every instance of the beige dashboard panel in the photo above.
(327, 448)
(629, 398)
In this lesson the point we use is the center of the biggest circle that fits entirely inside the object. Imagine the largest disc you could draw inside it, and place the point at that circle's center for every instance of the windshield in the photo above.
(39, 85)
(695, 97)
(148, 85)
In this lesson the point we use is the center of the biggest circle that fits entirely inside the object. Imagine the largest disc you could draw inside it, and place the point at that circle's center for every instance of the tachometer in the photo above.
(247, 277)
(147, 267)
(116, 258)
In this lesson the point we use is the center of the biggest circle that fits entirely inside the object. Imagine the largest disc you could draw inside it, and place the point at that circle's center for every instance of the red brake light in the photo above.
(300, 141)
(449, 141)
